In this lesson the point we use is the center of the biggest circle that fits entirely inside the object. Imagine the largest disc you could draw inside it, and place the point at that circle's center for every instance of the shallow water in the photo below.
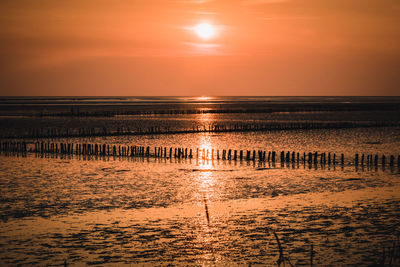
(347, 141)
(134, 210)
(122, 210)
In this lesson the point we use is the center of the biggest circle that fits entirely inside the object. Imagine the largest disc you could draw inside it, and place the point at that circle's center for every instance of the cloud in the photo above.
(287, 18)
(191, 1)
(261, 2)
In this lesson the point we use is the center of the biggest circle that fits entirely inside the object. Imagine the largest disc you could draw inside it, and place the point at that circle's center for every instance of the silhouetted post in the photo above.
(315, 157)
(383, 160)
(282, 156)
(217, 154)
(190, 154)
(273, 156)
(342, 159)
(309, 157)
(269, 156)
(235, 155)
(241, 155)
(391, 161)
(356, 160)
(254, 155)
(362, 160)
(376, 160)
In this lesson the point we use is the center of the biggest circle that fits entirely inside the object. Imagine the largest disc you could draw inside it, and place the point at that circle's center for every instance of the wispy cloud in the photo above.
(204, 49)
(203, 12)
(260, 2)
(286, 18)
(191, 1)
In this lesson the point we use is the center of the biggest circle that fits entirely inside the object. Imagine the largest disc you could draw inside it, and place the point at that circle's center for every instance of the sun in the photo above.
(204, 30)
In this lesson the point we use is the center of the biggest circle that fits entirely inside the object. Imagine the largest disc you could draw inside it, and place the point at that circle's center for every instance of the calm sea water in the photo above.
(127, 211)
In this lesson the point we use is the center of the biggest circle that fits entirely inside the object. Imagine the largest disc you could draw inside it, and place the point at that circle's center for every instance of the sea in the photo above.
(75, 210)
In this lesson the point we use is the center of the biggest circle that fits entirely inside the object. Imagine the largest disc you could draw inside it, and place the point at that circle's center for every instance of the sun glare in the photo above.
(204, 30)
(203, 98)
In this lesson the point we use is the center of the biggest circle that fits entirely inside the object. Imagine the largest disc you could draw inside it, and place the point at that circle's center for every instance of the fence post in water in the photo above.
(241, 155)
(362, 160)
(254, 155)
(273, 156)
(282, 156)
(383, 160)
(391, 161)
(356, 160)
(376, 160)
(342, 159)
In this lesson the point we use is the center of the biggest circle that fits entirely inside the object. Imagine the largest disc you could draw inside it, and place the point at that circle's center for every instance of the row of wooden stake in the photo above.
(205, 154)
(216, 128)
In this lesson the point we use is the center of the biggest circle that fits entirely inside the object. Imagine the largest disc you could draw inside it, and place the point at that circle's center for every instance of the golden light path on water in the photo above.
(206, 180)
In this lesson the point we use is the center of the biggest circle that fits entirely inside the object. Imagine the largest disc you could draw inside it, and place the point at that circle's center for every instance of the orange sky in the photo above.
(148, 47)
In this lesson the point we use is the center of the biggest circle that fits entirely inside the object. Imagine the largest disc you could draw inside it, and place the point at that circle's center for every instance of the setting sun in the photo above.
(204, 30)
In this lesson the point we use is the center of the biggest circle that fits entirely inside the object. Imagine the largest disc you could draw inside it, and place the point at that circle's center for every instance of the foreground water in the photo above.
(122, 210)
(87, 210)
